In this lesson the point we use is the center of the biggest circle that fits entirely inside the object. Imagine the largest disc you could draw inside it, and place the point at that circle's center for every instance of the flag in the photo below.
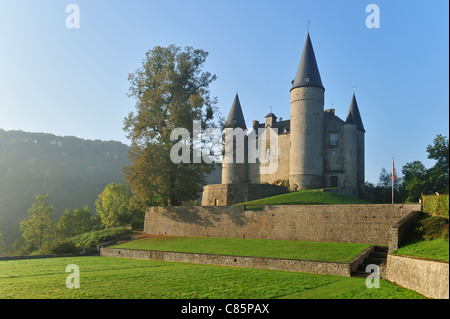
(393, 171)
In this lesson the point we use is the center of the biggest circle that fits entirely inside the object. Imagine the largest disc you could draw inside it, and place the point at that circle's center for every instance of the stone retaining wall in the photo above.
(429, 278)
(369, 224)
(306, 266)
(20, 257)
(400, 229)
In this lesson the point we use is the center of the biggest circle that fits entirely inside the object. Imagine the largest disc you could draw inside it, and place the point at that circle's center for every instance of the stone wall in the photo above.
(230, 194)
(321, 223)
(20, 257)
(399, 230)
(307, 266)
(282, 172)
(429, 278)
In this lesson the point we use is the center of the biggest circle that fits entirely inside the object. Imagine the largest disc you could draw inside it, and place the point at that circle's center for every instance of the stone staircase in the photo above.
(377, 257)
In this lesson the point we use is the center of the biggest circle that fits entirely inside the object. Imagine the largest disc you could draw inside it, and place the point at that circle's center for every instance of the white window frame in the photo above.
(333, 138)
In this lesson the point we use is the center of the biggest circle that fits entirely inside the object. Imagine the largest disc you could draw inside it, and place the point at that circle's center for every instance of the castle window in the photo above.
(276, 151)
(267, 151)
(333, 139)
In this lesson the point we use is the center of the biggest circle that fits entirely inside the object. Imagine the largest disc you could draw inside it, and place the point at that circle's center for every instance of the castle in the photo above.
(315, 148)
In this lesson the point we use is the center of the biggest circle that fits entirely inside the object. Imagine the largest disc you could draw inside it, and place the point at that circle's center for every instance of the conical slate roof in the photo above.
(307, 72)
(353, 116)
(235, 117)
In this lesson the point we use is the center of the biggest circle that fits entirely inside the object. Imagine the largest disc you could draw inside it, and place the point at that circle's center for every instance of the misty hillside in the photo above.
(72, 171)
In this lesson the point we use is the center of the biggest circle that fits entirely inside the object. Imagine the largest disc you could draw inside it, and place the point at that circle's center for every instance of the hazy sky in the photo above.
(74, 81)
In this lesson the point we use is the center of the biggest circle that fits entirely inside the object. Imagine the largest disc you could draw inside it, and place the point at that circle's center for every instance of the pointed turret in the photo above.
(307, 72)
(307, 124)
(234, 164)
(353, 116)
(236, 117)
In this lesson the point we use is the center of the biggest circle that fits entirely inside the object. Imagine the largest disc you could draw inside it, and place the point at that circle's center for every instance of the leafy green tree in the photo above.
(439, 173)
(39, 227)
(75, 222)
(418, 180)
(171, 91)
(415, 176)
(114, 205)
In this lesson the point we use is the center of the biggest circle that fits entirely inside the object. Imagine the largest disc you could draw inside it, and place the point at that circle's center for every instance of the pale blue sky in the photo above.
(74, 81)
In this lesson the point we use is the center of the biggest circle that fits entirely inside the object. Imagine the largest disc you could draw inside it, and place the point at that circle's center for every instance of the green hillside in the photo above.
(304, 197)
(72, 171)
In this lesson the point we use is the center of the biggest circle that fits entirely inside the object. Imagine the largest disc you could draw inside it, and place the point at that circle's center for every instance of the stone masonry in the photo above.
(369, 224)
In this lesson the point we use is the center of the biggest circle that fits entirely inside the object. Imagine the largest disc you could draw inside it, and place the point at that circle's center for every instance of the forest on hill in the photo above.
(72, 171)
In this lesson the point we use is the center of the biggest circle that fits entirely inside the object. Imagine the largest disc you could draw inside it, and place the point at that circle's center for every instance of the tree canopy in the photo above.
(171, 91)
(439, 173)
(39, 227)
(75, 222)
(114, 205)
(418, 180)
(71, 170)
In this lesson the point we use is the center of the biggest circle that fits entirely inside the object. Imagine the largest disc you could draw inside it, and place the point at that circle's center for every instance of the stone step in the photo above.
(376, 261)
(381, 249)
(360, 274)
(378, 255)
(363, 267)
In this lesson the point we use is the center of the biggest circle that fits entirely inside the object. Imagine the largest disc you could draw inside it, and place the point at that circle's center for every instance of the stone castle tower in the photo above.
(315, 148)
(307, 123)
(236, 171)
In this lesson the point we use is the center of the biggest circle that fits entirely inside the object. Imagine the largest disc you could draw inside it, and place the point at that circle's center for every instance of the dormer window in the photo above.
(307, 80)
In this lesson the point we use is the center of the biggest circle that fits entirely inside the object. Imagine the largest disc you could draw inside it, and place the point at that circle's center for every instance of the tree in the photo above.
(114, 205)
(439, 173)
(415, 176)
(75, 222)
(418, 180)
(171, 92)
(382, 191)
(39, 227)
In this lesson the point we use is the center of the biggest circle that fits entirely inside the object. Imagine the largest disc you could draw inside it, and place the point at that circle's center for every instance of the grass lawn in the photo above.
(118, 278)
(304, 197)
(337, 252)
(436, 249)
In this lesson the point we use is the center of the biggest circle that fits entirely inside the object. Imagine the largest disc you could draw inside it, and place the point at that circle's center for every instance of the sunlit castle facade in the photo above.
(315, 148)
